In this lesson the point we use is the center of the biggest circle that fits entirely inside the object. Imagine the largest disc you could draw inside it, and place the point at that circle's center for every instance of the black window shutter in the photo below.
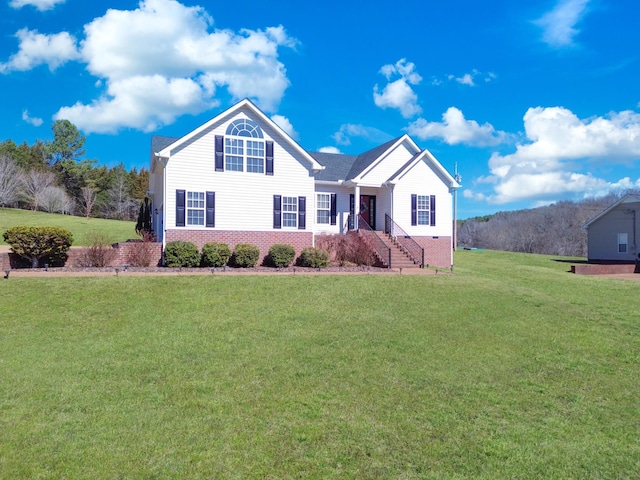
(414, 209)
(211, 209)
(352, 204)
(432, 210)
(277, 211)
(180, 194)
(334, 208)
(269, 157)
(219, 153)
(302, 213)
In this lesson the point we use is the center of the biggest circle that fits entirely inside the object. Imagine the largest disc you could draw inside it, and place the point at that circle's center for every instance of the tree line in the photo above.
(53, 176)
(553, 230)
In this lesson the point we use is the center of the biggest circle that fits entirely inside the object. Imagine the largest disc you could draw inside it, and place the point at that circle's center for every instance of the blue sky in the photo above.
(536, 101)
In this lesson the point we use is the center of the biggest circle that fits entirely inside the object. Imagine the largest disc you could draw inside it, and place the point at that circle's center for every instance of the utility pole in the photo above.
(457, 178)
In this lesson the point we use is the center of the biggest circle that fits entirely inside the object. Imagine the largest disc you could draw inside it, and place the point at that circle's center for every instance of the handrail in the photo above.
(404, 240)
(377, 244)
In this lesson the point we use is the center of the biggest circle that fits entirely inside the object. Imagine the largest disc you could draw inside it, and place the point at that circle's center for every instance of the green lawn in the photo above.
(509, 368)
(81, 227)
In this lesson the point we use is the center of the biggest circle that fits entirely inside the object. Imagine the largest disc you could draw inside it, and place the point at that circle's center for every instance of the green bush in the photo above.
(39, 243)
(245, 255)
(180, 253)
(215, 254)
(281, 255)
(314, 258)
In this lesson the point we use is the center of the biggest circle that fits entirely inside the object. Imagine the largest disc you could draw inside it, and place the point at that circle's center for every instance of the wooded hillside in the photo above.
(553, 230)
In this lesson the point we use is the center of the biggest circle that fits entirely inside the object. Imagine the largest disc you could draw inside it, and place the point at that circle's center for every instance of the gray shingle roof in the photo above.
(346, 167)
(159, 142)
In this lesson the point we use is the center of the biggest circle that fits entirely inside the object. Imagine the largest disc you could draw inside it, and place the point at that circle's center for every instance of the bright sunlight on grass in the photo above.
(80, 227)
(509, 368)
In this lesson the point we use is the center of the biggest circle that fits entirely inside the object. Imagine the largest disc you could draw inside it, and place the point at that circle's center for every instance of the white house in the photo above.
(612, 235)
(239, 178)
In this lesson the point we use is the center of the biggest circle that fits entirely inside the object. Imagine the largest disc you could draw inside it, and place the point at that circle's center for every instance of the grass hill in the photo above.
(80, 227)
(511, 367)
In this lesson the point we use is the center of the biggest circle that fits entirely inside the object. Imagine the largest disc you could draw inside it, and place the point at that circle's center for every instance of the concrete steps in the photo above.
(399, 259)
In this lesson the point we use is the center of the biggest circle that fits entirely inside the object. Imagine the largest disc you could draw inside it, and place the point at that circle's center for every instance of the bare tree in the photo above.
(10, 181)
(35, 182)
(55, 200)
(88, 197)
(121, 205)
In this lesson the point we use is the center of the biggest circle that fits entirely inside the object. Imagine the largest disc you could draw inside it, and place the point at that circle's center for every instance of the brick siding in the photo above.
(437, 251)
(263, 240)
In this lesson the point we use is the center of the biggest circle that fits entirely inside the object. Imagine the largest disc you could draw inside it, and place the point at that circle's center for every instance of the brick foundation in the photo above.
(122, 257)
(604, 269)
(262, 240)
(437, 251)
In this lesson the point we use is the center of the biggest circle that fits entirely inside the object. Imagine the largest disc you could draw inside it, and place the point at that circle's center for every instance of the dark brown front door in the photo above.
(368, 209)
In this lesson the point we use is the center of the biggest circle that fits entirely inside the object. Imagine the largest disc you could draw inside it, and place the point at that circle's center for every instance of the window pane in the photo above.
(323, 216)
(423, 209)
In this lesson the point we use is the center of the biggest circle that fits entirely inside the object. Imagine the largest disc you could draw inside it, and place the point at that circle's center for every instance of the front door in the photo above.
(368, 209)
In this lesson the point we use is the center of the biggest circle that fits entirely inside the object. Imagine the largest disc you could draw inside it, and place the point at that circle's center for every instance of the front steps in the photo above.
(399, 259)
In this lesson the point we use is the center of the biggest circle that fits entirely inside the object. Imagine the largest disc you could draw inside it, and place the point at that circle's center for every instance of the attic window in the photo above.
(244, 147)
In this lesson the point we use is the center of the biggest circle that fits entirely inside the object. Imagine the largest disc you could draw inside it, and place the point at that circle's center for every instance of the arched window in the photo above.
(244, 144)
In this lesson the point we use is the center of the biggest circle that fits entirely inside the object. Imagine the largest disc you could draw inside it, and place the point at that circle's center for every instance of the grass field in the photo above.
(80, 227)
(509, 368)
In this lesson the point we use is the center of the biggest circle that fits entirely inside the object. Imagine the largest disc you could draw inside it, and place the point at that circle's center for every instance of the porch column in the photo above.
(356, 206)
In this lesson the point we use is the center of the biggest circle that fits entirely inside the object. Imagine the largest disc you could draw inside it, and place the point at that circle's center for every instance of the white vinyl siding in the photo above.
(244, 202)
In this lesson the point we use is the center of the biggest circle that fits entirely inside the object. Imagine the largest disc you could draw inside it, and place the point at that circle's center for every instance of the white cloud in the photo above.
(329, 150)
(455, 129)
(38, 49)
(349, 130)
(561, 151)
(35, 121)
(166, 45)
(559, 24)
(142, 102)
(41, 5)
(284, 123)
(399, 94)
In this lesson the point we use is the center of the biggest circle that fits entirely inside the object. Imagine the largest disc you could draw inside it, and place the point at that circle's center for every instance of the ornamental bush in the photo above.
(215, 254)
(245, 255)
(281, 255)
(314, 258)
(36, 244)
(180, 253)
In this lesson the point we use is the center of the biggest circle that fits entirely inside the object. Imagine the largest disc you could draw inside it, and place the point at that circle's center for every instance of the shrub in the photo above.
(314, 258)
(180, 253)
(245, 255)
(39, 243)
(215, 254)
(281, 255)
(99, 253)
(141, 251)
(347, 249)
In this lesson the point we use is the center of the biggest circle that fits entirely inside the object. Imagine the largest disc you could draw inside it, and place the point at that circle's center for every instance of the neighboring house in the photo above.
(239, 178)
(612, 235)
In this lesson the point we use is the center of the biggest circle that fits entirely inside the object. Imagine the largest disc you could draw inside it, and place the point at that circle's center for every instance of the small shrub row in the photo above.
(180, 253)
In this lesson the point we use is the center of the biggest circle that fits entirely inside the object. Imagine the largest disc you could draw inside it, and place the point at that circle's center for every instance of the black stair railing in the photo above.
(404, 240)
(379, 247)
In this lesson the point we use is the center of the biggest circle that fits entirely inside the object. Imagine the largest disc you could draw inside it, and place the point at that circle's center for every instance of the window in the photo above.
(195, 208)
(244, 145)
(289, 211)
(623, 243)
(323, 208)
(423, 209)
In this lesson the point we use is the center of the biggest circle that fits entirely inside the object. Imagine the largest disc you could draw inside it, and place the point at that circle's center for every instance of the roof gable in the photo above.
(626, 199)
(166, 150)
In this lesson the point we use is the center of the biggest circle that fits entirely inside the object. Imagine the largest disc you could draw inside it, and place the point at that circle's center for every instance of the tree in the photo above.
(67, 144)
(88, 200)
(34, 184)
(143, 224)
(10, 181)
(55, 200)
(120, 204)
(37, 243)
